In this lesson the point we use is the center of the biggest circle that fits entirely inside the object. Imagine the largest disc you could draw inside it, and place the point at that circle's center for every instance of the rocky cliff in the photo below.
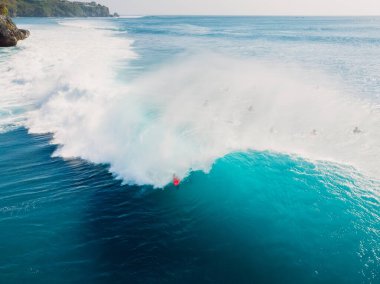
(55, 8)
(9, 33)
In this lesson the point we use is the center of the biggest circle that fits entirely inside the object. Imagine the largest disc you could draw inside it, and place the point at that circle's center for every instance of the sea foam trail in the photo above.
(70, 58)
(186, 114)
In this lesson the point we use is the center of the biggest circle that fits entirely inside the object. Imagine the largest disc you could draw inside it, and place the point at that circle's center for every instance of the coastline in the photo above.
(57, 8)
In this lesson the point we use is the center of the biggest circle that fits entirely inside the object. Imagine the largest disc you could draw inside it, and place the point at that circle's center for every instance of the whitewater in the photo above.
(184, 113)
(272, 123)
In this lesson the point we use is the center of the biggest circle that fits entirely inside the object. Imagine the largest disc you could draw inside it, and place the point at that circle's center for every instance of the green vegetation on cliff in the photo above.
(3, 10)
(54, 8)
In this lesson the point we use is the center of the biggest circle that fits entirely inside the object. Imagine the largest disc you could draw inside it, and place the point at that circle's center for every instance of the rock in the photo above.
(9, 33)
(25, 33)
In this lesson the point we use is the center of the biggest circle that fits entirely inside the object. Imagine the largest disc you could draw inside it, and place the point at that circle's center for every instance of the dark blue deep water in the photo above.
(255, 217)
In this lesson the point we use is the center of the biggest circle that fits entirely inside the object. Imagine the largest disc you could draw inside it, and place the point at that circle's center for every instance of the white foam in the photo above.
(186, 114)
(86, 23)
(131, 16)
(55, 59)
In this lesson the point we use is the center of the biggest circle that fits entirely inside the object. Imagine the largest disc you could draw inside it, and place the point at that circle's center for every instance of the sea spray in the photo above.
(185, 114)
(193, 111)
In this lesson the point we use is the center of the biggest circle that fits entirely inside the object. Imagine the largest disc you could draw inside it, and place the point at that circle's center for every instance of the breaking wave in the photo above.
(182, 116)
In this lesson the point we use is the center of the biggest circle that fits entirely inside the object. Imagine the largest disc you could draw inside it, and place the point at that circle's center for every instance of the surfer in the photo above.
(176, 180)
(357, 130)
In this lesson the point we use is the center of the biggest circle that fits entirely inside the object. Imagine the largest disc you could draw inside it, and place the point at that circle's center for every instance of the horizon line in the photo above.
(250, 15)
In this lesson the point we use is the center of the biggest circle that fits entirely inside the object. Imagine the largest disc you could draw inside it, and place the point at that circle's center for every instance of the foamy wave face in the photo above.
(187, 114)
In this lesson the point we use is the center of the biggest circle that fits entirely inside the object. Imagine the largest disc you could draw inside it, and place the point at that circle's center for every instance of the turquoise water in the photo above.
(92, 133)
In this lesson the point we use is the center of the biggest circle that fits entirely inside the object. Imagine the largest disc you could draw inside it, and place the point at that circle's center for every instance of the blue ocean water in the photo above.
(96, 115)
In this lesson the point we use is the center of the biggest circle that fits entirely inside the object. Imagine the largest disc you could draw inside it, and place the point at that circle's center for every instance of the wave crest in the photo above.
(189, 112)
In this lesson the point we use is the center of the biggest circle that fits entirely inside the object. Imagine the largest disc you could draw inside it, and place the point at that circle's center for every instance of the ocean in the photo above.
(271, 123)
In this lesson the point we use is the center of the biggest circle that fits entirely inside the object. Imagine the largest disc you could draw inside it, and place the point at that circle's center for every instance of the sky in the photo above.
(244, 7)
